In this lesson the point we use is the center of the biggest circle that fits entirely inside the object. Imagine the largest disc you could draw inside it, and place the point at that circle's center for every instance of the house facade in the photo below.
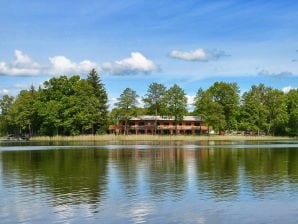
(160, 125)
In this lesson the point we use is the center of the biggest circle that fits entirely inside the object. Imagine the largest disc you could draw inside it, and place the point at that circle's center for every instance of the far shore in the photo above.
(157, 138)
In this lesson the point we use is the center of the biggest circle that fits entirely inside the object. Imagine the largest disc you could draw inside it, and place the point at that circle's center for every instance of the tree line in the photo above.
(72, 106)
(63, 106)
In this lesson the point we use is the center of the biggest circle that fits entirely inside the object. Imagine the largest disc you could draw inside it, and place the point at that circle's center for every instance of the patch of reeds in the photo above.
(153, 138)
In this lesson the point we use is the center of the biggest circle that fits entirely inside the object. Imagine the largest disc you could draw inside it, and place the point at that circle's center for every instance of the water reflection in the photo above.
(80, 176)
(147, 183)
(163, 170)
(218, 172)
(66, 176)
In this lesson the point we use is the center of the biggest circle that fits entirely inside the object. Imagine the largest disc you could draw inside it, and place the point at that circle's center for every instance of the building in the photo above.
(160, 125)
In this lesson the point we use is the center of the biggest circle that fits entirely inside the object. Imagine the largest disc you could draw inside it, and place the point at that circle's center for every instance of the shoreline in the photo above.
(157, 138)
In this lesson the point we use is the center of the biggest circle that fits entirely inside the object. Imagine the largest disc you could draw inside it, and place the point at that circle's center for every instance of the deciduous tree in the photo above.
(5, 120)
(219, 105)
(176, 103)
(212, 112)
(126, 105)
(155, 100)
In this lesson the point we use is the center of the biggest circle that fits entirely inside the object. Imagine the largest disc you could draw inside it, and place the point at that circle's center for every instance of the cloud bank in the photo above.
(23, 65)
(198, 55)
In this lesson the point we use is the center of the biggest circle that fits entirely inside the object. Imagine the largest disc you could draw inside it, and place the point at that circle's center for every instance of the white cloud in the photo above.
(87, 65)
(198, 55)
(136, 63)
(60, 65)
(288, 89)
(22, 59)
(4, 91)
(21, 65)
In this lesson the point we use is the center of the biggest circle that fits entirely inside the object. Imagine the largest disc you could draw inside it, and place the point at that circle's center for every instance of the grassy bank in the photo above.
(153, 138)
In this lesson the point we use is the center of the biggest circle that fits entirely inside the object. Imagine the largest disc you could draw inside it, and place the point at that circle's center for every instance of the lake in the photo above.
(149, 182)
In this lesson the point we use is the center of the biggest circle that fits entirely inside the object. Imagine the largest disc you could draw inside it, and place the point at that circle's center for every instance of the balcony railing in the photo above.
(158, 127)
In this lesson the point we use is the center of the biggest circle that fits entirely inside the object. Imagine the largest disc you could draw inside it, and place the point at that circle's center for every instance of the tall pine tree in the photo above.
(102, 100)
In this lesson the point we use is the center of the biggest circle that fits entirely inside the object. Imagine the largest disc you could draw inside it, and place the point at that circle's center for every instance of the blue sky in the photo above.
(133, 43)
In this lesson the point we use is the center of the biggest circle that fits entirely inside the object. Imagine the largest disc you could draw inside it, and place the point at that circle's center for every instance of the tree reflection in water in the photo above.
(67, 176)
(137, 179)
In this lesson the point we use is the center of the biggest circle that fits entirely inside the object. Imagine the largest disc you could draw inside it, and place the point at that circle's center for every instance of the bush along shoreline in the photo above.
(86, 138)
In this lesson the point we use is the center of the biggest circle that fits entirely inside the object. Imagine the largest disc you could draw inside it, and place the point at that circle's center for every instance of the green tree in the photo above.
(71, 106)
(264, 109)
(227, 95)
(101, 98)
(219, 105)
(253, 111)
(56, 98)
(126, 106)
(5, 104)
(85, 108)
(292, 100)
(211, 111)
(24, 113)
(176, 103)
(59, 87)
(293, 123)
(292, 107)
(51, 116)
(275, 101)
(5, 121)
(155, 100)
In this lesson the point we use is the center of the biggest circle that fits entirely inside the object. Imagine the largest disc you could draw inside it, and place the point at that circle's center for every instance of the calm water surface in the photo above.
(144, 182)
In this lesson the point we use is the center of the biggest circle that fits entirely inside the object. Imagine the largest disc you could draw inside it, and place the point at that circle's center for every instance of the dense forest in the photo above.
(72, 106)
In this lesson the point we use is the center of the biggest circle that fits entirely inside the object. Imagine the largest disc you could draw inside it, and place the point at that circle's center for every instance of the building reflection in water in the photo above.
(157, 172)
